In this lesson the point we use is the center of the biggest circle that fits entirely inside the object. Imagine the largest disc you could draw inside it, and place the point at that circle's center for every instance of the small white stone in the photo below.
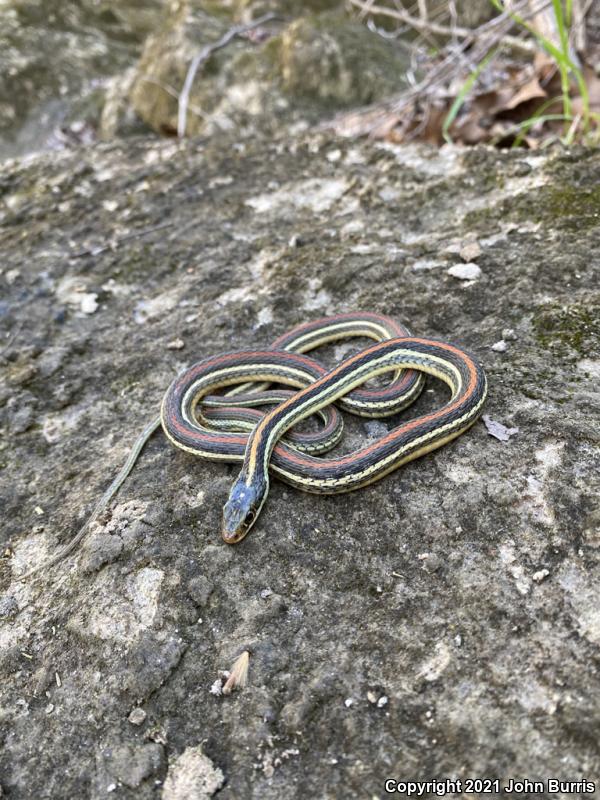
(348, 702)
(351, 228)
(500, 346)
(540, 575)
(12, 275)
(465, 272)
(383, 701)
(509, 334)
(176, 344)
(428, 263)
(137, 716)
(470, 251)
(89, 302)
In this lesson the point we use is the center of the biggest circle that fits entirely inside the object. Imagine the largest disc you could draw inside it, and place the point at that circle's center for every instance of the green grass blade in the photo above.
(462, 95)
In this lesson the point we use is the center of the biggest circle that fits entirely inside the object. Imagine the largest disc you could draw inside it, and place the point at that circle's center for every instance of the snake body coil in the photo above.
(262, 449)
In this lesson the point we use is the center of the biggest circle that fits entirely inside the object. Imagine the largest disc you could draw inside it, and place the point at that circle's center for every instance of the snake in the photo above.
(231, 427)
(262, 450)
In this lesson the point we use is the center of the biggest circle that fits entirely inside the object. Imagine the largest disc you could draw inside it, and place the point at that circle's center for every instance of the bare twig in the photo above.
(170, 90)
(94, 251)
(578, 29)
(428, 26)
(11, 338)
(202, 57)
(379, 119)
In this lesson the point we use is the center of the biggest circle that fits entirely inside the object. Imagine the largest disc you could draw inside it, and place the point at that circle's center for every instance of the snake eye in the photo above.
(250, 517)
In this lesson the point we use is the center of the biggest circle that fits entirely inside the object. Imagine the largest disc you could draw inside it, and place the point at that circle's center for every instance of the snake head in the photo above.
(242, 508)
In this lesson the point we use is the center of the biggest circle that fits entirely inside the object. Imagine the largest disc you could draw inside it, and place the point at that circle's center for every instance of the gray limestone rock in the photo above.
(300, 66)
(443, 621)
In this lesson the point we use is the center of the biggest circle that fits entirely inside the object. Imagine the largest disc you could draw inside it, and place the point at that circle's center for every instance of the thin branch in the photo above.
(11, 338)
(94, 251)
(578, 27)
(202, 57)
(170, 90)
(428, 26)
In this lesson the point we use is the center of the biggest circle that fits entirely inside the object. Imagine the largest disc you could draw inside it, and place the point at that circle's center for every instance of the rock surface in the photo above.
(56, 60)
(443, 622)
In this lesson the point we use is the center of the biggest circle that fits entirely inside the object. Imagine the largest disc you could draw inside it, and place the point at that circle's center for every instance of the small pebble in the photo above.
(89, 303)
(11, 276)
(509, 335)
(497, 429)
(137, 716)
(176, 344)
(500, 347)
(465, 272)
(540, 575)
(470, 251)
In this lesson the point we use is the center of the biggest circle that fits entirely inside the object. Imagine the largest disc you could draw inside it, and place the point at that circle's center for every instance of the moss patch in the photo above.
(572, 326)
(569, 208)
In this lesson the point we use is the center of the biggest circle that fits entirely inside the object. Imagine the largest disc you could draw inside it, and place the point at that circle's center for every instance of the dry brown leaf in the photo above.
(530, 91)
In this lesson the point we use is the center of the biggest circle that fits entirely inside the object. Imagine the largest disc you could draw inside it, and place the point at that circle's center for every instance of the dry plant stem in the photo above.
(202, 57)
(578, 29)
(11, 338)
(114, 243)
(172, 92)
